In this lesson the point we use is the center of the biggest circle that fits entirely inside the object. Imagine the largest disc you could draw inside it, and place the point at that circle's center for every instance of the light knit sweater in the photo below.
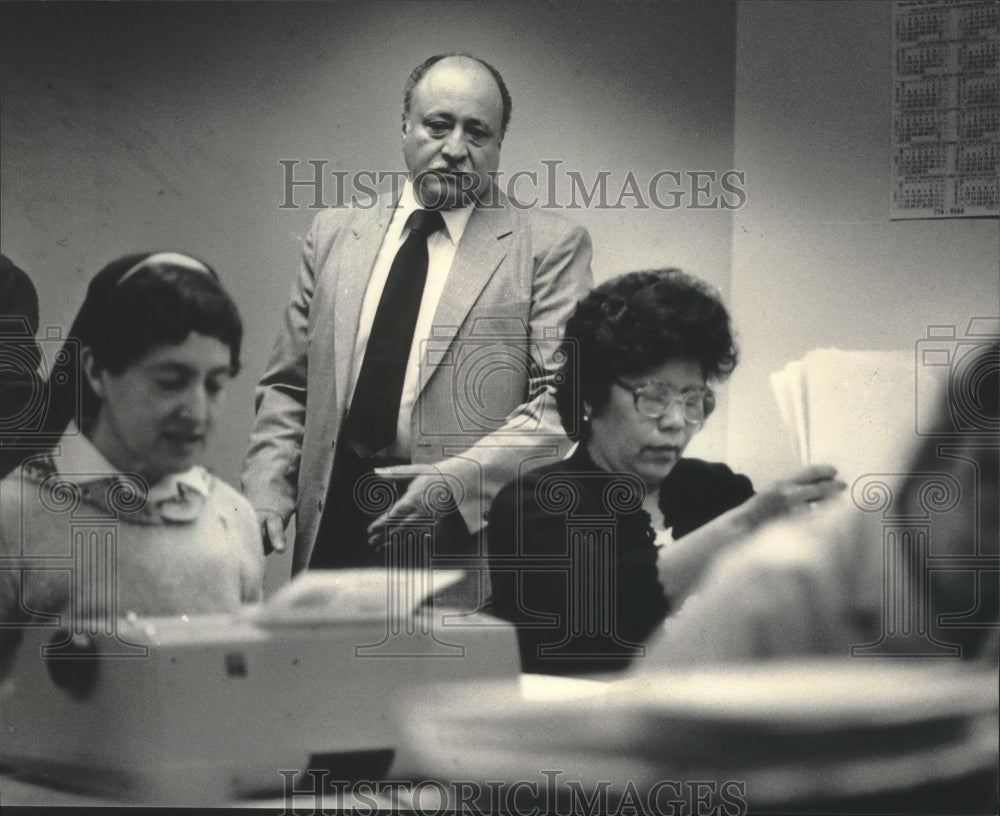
(72, 528)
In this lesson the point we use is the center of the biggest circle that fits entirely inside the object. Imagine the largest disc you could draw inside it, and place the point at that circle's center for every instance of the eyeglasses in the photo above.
(654, 400)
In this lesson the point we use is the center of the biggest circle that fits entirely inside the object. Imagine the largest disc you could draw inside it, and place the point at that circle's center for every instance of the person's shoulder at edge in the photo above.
(328, 223)
(530, 219)
(696, 491)
(510, 491)
(545, 225)
(22, 509)
(712, 473)
(512, 494)
(335, 218)
(550, 230)
(576, 463)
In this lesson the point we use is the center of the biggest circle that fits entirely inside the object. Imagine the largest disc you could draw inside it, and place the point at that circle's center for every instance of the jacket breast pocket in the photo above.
(498, 320)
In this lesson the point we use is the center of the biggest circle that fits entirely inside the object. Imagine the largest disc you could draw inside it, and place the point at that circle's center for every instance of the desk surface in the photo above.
(18, 790)
(971, 783)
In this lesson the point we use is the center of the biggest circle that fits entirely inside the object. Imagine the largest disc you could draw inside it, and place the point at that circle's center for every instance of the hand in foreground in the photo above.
(809, 486)
(272, 531)
(428, 497)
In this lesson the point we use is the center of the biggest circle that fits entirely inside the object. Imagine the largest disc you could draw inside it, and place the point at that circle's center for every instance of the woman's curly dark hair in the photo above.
(635, 322)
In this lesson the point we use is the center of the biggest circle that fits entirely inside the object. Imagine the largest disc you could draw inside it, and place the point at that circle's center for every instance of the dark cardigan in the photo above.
(573, 560)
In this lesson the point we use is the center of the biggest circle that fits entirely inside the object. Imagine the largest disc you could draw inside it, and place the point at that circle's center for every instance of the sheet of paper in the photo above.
(788, 390)
(852, 409)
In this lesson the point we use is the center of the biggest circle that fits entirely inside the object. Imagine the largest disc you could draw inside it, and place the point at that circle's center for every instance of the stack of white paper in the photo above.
(851, 409)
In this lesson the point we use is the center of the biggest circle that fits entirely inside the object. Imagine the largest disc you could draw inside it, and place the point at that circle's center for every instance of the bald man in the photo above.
(475, 405)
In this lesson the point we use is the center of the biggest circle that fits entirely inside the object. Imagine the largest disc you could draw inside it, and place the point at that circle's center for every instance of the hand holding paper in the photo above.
(806, 487)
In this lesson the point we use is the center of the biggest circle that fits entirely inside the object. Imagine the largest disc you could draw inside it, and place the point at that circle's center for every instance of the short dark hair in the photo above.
(418, 73)
(633, 323)
(18, 299)
(18, 317)
(140, 302)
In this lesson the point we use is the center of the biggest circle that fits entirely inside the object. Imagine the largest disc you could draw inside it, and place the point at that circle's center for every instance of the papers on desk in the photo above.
(348, 595)
(792, 731)
(852, 409)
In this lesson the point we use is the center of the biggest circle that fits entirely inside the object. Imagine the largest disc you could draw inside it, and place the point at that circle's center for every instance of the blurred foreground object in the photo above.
(204, 709)
(862, 411)
(22, 397)
(909, 568)
(774, 735)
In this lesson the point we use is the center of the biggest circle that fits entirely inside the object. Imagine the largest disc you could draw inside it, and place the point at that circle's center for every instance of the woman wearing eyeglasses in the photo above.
(589, 554)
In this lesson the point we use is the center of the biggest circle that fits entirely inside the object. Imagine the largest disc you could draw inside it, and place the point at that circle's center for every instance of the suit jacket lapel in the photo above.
(356, 264)
(477, 257)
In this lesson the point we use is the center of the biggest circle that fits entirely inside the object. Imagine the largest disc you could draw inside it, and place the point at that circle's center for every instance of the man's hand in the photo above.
(272, 531)
(428, 497)
(806, 487)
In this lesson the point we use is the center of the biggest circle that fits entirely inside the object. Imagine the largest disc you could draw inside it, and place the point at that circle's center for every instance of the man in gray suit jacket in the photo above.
(476, 406)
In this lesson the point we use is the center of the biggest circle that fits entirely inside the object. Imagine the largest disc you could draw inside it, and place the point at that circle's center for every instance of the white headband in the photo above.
(172, 258)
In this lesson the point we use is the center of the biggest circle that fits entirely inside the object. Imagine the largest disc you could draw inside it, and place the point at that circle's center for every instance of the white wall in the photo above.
(816, 260)
(131, 126)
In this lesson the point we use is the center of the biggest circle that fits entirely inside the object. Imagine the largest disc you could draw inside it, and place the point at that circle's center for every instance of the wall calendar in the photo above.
(946, 108)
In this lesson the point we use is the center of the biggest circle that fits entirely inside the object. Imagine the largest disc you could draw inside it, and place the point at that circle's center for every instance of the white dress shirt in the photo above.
(441, 246)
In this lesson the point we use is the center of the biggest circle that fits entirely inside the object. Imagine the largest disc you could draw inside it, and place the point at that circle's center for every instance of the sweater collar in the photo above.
(83, 463)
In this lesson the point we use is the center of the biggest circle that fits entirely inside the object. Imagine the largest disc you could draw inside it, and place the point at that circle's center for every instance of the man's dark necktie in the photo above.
(371, 420)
